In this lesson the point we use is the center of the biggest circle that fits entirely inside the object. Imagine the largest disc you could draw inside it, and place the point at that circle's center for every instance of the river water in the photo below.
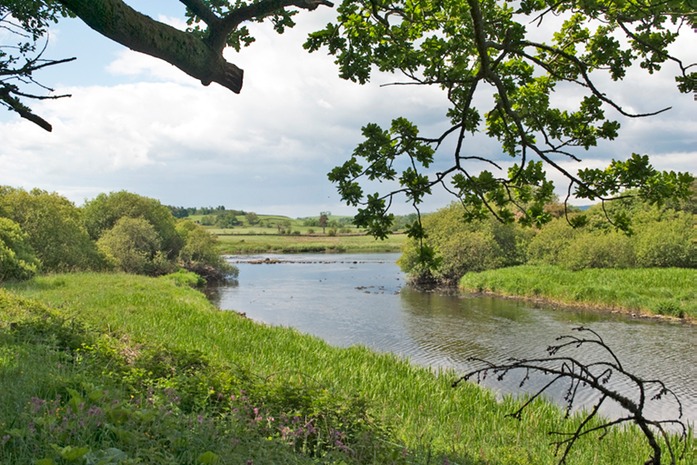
(363, 299)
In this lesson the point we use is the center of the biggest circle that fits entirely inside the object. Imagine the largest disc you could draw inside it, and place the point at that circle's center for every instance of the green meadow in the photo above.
(115, 368)
(275, 243)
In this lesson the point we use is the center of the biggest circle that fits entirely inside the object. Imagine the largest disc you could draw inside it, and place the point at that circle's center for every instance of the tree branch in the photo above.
(579, 373)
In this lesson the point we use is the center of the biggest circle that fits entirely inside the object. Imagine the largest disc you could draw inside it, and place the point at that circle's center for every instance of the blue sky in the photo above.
(138, 124)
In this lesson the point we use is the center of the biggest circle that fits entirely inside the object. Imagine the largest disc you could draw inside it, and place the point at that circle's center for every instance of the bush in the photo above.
(17, 259)
(102, 213)
(54, 228)
(668, 243)
(200, 253)
(599, 250)
(461, 246)
(133, 246)
(550, 244)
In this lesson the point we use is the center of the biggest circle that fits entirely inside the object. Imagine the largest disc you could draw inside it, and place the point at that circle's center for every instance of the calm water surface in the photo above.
(362, 299)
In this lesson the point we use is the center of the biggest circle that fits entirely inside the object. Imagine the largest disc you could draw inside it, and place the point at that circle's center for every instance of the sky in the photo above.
(136, 123)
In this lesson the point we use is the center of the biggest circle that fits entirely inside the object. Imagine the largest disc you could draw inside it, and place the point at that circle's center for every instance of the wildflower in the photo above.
(36, 404)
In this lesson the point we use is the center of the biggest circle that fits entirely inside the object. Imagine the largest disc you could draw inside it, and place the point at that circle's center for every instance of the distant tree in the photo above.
(252, 218)
(54, 228)
(17, 259)
(324, 220)
(102, 213)
(226, 219)
(283, 226)
(179, 212)
(133, 245)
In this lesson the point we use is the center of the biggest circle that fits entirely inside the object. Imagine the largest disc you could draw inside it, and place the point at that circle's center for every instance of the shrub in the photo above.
(461, 246)
(599, 250)
(550, 243)
(54, 229)
(668, 243)
(200, 253)
(103, 212)
(133, 246)
(17, 259)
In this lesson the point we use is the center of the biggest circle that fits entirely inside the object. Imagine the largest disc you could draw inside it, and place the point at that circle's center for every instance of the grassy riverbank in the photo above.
(274, 243)
(142, 370)
(656, 291)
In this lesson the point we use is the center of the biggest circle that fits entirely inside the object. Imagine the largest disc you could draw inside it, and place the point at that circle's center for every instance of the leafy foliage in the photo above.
(133, 246)
(200, 253)
(25, 21)
(54, 228)
(471, 48)
(458, 247)
(104, 211)
(17, 259)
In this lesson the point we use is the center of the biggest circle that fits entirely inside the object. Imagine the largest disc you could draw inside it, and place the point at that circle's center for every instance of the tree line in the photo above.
(658, 236)
(120, 231)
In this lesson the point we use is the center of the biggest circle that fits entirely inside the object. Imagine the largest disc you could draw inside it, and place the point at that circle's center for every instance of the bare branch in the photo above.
(596, 376)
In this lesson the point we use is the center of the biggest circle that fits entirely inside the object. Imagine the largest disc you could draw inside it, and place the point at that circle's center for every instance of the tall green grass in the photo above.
(669, 291)
(412, 413)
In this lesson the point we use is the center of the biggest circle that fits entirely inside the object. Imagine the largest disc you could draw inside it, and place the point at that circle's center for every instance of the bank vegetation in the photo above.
(651, 268)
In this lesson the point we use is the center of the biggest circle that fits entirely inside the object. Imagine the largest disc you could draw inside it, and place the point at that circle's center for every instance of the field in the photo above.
(257, 243)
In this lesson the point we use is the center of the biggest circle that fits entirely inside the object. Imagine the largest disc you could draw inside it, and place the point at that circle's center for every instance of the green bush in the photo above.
(599, 250)
(102, 213)
(461, 246)
(133, 246)
(549, 245)
(200, 254)
(668, 243)
(54, 228)
(17, 259)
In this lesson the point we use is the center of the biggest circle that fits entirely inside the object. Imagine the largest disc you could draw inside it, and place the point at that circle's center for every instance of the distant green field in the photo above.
(257, 243)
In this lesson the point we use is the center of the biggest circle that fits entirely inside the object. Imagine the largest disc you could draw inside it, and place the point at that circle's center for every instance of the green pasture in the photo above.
(258, 243)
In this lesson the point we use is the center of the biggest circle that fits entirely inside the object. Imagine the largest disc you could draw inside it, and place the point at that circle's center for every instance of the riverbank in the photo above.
(647, 292)
(159, 375)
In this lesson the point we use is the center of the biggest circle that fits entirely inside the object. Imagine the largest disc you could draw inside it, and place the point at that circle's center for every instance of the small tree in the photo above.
(200, 254)
(324, 220)
(102, 213)
(133, 246)
(54, 228)
(252, 218)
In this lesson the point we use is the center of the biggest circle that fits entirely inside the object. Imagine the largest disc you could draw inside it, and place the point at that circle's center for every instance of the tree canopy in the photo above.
(499, 65)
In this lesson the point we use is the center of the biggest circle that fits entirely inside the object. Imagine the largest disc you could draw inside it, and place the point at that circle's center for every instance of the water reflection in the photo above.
(361, 299)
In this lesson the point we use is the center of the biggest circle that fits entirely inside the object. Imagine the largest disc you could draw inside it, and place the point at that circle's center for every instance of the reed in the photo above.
(412, 412)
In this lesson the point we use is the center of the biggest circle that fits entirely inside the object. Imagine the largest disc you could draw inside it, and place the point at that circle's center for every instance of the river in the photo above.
(351, 299)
